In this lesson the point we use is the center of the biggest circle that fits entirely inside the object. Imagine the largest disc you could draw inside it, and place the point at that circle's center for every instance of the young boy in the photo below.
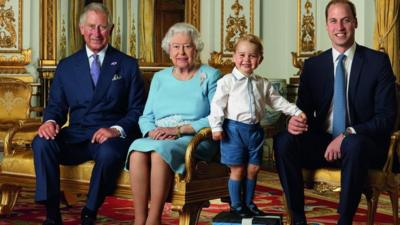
(236, 110)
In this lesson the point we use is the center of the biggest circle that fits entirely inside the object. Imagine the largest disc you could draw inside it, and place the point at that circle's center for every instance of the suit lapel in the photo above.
(108, 69)
(82, 74)
(328, 66)
(355, 73)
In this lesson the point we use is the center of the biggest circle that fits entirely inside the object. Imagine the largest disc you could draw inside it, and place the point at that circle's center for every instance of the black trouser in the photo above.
(293, 153)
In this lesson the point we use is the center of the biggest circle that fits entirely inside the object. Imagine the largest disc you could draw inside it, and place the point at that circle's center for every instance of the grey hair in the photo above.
(186, 29)
(96, 7)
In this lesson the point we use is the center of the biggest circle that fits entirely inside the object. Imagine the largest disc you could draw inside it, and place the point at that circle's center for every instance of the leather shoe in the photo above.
(87, 220)
(51, 222)
(256, 211)
(88, 217)
(241, 211)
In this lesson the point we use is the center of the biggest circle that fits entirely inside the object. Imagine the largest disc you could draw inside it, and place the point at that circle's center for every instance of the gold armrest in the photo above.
(20, 126)
(393, 148)
(203, 134)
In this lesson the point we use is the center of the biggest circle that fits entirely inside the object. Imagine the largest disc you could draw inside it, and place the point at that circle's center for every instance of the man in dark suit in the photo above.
(101, 89)
(367, 106)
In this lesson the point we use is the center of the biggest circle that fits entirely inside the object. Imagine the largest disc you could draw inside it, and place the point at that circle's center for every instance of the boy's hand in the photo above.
(298, 124)
(218, 135)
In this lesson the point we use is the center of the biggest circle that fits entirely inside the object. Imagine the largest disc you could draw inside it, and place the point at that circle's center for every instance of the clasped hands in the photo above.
(298, 125)
(50, 129)
(165, 133)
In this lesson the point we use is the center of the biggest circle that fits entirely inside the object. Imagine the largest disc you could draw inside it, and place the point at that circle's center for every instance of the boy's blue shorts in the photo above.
(242, 144)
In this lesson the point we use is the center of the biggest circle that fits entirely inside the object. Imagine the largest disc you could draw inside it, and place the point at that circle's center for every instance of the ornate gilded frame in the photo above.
(11, 32)
(13, 58)
(306, 33)
(234, 23)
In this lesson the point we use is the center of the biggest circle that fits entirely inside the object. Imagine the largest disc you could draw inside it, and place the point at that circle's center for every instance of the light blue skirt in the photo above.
(173, 151)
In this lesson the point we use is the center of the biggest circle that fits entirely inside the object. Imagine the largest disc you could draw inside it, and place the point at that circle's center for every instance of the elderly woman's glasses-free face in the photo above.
(181, 46)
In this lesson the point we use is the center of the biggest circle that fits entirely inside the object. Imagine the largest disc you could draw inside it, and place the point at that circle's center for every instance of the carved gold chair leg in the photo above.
(372, 203)
(9, 195)
(189, 214)
(394, 196)
(69, 198)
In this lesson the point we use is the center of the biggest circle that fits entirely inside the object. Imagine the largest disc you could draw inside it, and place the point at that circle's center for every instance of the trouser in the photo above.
(307, 150)
(109, 158)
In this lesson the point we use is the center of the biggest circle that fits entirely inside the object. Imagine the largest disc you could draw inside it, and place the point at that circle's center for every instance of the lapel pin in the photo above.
(113, 63)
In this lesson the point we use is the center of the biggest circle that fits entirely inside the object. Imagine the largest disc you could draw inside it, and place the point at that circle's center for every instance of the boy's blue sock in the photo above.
(249, 193)
(234, 187)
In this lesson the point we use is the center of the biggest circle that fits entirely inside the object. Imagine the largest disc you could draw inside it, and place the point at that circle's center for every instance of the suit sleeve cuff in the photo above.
(120, 130)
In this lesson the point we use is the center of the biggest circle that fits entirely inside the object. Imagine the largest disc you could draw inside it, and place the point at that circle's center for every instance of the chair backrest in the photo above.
(15, 99)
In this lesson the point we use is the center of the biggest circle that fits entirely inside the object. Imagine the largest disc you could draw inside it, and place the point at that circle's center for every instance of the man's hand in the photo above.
(103, 134)
(332, 152)
(48, 130)
(218, 135)
(298, 124)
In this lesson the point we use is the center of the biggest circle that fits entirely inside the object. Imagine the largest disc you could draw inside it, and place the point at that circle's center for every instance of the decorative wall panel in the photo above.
(237, 18)
(306, 33)
(11, 26)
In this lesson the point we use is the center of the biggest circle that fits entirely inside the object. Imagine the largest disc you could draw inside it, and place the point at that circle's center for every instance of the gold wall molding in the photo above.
(11, 26)
(15, 64)
(63, 41)
(48, 32)
(307, 29)
(192, 12)
(306, 34)
(117, 36)
(234, 23)
(132, 38)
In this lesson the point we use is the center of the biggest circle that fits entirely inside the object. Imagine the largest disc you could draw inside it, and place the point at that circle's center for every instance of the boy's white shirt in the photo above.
(233, 100)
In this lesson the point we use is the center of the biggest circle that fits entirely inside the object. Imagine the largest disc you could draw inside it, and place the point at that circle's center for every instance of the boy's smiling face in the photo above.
(246, 57)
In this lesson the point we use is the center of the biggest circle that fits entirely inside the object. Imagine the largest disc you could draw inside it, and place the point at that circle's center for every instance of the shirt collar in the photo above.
(239, 76)
(101, 54)
(349, 53)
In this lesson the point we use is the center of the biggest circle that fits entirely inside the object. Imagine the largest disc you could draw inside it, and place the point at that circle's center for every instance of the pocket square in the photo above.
(117, 77)
(114, 63)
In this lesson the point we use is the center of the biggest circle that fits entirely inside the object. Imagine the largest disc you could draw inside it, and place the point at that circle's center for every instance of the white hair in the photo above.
(96, 7)
(186, 29)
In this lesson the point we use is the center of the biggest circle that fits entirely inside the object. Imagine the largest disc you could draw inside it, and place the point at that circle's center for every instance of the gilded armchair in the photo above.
(15, 102)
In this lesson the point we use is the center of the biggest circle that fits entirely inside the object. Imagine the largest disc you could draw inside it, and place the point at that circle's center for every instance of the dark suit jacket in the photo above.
(118, 98)
(371, 94)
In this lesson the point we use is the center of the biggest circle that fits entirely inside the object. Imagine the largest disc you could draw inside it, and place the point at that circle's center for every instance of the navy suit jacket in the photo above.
(371, 93)
(118, 98)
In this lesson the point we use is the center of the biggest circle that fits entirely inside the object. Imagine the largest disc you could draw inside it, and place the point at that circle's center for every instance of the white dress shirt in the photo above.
(101, 54)
(348, 61)
(243, 99)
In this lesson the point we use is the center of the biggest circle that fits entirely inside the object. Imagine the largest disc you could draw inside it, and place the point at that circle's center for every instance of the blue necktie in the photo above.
(95, 69)
(339, 99)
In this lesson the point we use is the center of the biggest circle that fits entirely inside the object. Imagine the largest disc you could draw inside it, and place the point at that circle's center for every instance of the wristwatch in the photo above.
(347, 132)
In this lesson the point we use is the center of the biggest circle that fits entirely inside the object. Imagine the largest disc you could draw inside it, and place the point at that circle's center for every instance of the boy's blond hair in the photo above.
(252, 39)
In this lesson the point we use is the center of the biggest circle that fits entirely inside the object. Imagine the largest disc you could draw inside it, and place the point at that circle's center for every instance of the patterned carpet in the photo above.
(321, 209)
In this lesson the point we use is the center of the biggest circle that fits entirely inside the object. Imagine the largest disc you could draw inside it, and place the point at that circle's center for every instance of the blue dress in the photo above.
(171, 103)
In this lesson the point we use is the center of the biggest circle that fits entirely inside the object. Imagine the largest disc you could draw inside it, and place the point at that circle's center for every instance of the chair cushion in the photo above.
(21, 163)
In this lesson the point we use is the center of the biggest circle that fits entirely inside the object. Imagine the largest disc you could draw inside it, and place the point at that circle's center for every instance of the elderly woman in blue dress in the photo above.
(177, 107)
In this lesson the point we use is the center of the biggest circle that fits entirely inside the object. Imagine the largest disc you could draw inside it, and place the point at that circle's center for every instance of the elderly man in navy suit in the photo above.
(101, 89)
(348, 95)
